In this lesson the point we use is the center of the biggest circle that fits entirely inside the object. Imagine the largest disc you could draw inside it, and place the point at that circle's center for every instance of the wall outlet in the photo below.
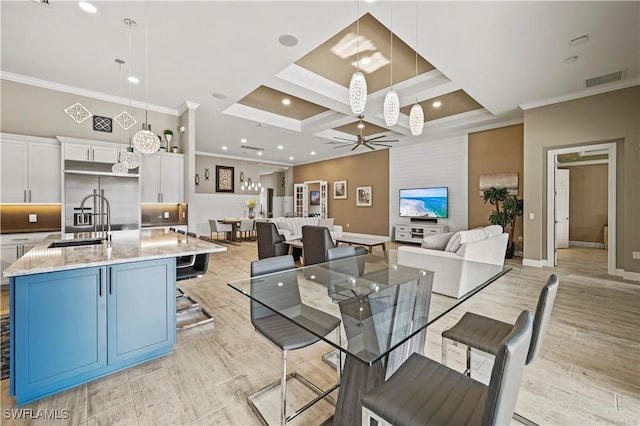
(347, 225)
(33, 218)
(166, 215)
(636, 255)
(183, 215)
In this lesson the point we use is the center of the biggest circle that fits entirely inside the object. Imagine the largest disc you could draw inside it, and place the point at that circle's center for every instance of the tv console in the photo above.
(415, 232)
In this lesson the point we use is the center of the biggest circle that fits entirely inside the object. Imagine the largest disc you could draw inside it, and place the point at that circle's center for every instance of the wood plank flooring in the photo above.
(588, 372)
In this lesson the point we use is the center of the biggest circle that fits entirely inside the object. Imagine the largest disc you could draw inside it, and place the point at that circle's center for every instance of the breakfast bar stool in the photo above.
(425, 392)
(282, 332)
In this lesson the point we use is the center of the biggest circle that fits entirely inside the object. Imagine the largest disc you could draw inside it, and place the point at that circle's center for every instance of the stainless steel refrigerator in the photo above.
(122, 192)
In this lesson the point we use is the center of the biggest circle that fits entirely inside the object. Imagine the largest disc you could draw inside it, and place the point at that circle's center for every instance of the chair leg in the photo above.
(444, 351)
(468, 370)
(283, 390)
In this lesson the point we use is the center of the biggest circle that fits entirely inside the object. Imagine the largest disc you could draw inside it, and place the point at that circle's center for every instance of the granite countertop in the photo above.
(127, 246)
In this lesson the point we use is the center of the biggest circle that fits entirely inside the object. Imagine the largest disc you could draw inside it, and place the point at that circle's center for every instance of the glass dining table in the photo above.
(384, 308)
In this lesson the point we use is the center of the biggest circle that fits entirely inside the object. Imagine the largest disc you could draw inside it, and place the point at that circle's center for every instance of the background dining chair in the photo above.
(218, 228)
(189, 313)
(270, 243)
(246, 228)
(283, 293)
(317, 242)
(485, 334)
(425, 392)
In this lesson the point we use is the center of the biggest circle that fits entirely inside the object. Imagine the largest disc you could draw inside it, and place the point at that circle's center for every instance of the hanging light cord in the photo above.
(146, 65)
(416, 50)
(358, 31)
(391, 44)
(129, 81)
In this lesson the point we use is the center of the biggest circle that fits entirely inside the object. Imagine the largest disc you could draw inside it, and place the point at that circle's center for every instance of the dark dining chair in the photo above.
(283, 293)
(270, 243)
(317, 242)
(425, 392)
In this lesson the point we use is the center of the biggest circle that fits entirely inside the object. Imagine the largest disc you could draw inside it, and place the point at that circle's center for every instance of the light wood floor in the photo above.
(588, 372)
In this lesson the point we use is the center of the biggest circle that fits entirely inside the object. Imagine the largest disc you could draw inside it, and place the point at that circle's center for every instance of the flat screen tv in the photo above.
(428, 203)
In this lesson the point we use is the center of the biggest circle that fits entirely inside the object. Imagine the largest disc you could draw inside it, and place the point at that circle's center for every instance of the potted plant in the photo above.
(251, 205)
(506, 214)
(168, 135)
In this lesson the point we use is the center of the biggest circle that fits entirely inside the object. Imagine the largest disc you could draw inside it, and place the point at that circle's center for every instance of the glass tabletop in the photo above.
(379, 304)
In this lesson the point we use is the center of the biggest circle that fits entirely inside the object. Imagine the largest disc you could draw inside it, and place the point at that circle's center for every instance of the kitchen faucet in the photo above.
(94, 195)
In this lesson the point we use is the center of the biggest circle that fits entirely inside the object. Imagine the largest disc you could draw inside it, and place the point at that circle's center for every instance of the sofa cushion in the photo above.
(437, 242)
(283, 226)
(463, 237)
(326, 223)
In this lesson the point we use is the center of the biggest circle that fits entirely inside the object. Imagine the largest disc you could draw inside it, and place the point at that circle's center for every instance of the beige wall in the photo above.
(367, 169)
(36, 111)
(588, 192)
(490, 152)
(613, 116)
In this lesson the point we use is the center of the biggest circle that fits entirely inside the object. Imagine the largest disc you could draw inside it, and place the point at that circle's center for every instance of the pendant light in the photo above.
(118, 168)
(416, 115)
(358, 84)
(391, 109)
(130, 159)
(145, 140)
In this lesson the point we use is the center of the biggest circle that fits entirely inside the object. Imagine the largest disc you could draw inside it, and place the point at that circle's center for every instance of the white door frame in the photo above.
(611, 207)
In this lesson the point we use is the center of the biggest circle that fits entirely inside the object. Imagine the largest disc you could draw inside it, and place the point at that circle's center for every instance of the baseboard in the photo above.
(355, 234)
(532, 262)
(632, 276)
(586, 244)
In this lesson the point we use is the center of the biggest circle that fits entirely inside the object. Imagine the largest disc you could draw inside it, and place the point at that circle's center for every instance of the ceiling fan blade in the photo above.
(377, 137)
(344, 139)
(342, 146)
(337, 142)
(369, 146)
(355, 146)
(387, 140)
(381, 144)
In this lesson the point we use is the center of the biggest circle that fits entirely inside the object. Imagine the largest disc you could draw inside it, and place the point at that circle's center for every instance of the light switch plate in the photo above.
(166, 215)
(532, 216)
(33, 218)
(636, 255)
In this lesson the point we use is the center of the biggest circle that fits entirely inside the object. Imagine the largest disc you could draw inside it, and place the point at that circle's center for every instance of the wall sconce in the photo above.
(207, 174)
(197, 179)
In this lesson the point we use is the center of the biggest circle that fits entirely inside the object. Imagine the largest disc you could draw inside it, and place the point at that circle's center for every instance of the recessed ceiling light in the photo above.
(360, 125)
(243, 140)
(259, 152)
(87, 7)
(579, 40)
(570, 59)
(313, 153)
(133, 79)
(366, 60)
(369, 1)
(288, 40)
(280, 147)
(437, 104)
(220, 96)
(224, 148)
(286, 101)
(290, 158)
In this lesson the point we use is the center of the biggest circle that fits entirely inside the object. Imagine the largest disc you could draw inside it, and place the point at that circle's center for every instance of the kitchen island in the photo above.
(80, 312)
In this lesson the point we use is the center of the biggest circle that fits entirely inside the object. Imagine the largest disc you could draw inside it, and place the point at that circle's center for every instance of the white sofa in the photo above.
(291, 227)
(446, 255)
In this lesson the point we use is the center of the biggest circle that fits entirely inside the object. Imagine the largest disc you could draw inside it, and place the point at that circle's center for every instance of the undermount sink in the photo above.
(75, 243)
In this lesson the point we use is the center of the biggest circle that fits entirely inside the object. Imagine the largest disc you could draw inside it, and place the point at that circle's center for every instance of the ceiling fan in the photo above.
(362, 141)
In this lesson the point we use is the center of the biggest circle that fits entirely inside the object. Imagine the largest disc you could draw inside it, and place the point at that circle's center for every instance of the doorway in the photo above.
(555, 209)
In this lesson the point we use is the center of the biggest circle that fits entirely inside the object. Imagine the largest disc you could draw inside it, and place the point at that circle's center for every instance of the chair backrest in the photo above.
(507, 373)
(267, 237)
(543, 315)
(280, 291)
(246, 225)
(337, 257)
(181, 231)
(192, 234)
(316, 241)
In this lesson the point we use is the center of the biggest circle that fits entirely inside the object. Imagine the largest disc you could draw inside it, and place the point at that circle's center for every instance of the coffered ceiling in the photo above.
(483, 61)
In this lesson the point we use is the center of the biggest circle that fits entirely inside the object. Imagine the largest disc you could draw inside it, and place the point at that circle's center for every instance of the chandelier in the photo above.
(247, 183)
(416, 115)
(145, 140)
(358, 84)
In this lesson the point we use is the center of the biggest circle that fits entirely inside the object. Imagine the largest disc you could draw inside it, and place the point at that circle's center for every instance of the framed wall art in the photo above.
(363, 196)
(224, 179)
(500, 180)
(340, 190)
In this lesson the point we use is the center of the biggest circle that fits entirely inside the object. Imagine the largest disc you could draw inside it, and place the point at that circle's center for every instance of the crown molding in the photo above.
(244, 159)
(582, 94)
(187, 105)
(18, 78)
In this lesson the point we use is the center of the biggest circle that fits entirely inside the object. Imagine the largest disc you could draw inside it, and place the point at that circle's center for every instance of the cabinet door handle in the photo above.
(29, 195)
(111, 281)
(100, 284)
(18, 252)
(24, 196)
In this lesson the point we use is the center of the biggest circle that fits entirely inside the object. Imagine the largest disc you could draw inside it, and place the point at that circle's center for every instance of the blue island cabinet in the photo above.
(70, 327)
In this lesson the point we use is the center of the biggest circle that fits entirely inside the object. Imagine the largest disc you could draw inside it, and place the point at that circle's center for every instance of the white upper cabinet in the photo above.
(102, 153)
(31, 170)
(162, 178)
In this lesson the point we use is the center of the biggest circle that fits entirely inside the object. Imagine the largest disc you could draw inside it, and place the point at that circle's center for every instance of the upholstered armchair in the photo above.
(270, 243)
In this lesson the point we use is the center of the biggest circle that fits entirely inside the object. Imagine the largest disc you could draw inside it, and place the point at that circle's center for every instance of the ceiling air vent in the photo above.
(606, 78)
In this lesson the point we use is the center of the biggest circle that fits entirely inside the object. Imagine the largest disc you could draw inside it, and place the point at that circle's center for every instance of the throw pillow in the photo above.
(437, 242)
(463, 237)
(492, 230)
(328, 223)
(454, 242)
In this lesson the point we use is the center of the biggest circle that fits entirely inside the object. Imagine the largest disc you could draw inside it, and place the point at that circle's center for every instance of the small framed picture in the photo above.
(364, 196)
(314, 198)
(340, 190)
(224, 179)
